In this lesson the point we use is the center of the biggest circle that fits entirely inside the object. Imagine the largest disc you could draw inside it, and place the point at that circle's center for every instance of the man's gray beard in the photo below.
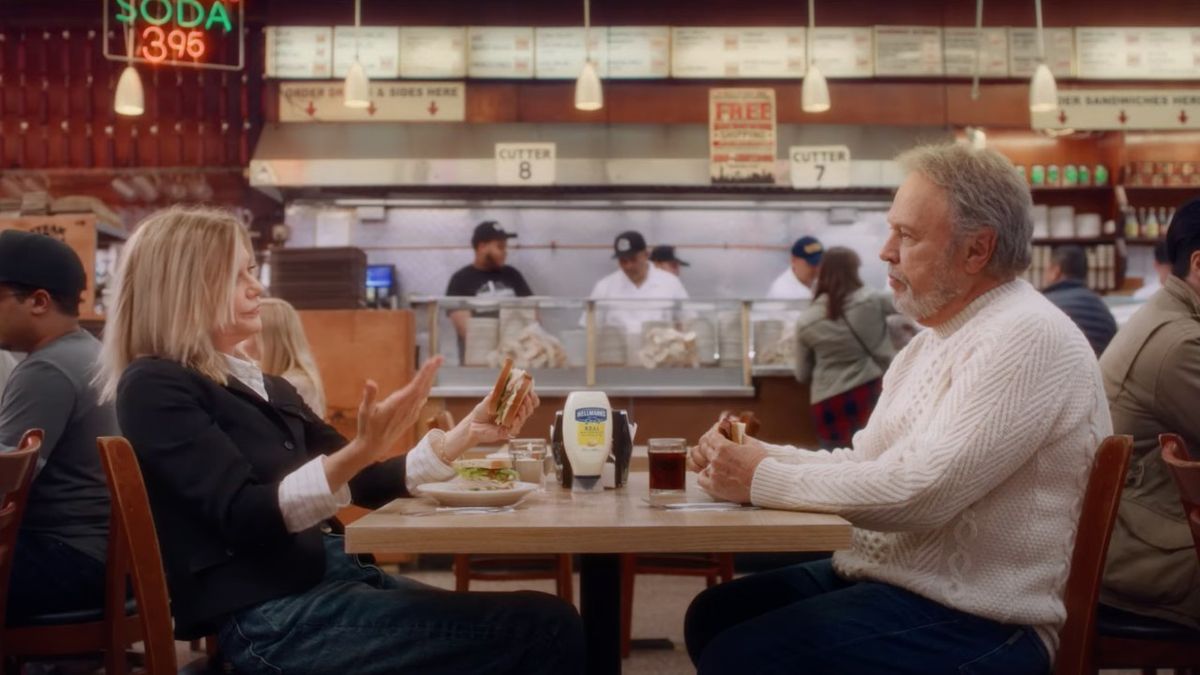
(943, 293)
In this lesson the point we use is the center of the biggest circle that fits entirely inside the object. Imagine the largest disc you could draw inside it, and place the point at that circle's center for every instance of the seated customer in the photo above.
(1066, 287)
(1152, 376)
(965, 487)
(282, 349)
(242, 477)
(59, 558)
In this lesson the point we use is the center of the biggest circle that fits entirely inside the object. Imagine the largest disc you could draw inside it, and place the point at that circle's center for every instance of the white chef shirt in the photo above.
(659, 285)
(787, 287)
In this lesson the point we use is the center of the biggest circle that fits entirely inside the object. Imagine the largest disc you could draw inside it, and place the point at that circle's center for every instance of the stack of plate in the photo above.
(610, 346)
(513, 320)
(767, 333)
(729, 333)
(483, 336)
(706, 339)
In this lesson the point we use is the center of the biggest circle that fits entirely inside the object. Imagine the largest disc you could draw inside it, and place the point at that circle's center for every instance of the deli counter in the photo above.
(646, 348)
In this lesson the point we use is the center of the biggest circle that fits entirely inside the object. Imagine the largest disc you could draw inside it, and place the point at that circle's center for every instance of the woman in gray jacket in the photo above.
(843, 348)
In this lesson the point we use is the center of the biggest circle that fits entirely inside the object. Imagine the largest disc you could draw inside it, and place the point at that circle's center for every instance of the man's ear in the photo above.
(41, 302)
(980, 247)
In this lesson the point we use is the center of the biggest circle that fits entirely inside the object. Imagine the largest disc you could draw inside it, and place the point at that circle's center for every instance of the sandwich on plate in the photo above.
(512, 386)
(486, 474)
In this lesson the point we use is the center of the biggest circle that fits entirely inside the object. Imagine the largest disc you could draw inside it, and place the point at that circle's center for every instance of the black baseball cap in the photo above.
(40, 261)
(490, 230)
(628, 244)
(808, 249)
(1183, 235)
(665, 254)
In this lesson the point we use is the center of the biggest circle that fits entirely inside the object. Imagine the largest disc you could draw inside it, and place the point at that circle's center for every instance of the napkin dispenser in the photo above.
(562, 467)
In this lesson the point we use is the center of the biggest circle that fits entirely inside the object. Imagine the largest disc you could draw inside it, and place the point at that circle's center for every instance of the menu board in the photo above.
(559, 52)
(908, 51)
(732, 53)
(1138, 53)
(1022, 51)
(959, 50)
(433, 52)
(376, 47)
(639, 52)
(304, 52)
(844, 52)
(500, 52)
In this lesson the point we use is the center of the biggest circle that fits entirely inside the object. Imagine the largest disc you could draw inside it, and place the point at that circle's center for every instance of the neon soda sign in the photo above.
(193, 33)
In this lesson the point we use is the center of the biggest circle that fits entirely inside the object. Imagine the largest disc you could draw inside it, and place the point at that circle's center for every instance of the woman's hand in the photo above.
(381, 423)
(480, 428)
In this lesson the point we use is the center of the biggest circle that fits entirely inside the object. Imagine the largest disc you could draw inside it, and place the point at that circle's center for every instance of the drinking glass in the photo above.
(668, 466)
(529, 459)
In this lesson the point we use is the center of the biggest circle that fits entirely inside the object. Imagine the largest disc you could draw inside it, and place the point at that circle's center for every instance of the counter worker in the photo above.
(637, 280)
(488, 277)
(664, 258)
(797, 281)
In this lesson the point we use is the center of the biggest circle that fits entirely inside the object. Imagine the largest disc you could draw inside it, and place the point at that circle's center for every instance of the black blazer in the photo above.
(213, 457)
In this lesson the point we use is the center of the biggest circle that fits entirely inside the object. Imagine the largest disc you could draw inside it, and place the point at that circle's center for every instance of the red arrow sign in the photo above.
(311, 109)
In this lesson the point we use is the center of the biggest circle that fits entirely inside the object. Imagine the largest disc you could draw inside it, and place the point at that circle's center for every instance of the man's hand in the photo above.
(730, 468)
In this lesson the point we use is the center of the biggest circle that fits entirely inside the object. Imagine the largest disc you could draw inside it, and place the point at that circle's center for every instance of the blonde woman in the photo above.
(243, 478)
(282, 349)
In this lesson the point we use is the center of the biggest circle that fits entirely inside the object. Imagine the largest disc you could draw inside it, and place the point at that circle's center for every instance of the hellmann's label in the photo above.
(589, 426)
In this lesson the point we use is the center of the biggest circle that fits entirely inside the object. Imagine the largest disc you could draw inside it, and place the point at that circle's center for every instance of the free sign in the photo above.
(819, 166)
(525, 163)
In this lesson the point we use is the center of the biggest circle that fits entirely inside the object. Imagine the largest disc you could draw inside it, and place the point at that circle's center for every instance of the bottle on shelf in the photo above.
(1150, 224)
(1132, 227)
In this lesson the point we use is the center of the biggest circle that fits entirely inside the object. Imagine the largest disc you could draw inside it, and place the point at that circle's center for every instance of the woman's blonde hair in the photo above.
(174, 287)
(283, 347)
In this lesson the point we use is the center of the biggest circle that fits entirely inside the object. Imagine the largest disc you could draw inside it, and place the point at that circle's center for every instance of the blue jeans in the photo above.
(361, 620)
(806, 619)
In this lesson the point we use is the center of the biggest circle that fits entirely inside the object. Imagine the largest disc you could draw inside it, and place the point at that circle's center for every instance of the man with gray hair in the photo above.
(965, 487)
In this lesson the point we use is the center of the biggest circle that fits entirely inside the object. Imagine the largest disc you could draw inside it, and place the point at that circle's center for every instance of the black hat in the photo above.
(808, 249)
(665, 254)
(40, 261)
(1183, 235)
(628, 244)
(490, 230)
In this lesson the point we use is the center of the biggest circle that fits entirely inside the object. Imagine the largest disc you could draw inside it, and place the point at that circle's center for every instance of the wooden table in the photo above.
(600, 526)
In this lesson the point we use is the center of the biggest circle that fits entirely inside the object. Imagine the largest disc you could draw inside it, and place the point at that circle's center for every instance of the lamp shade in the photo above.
(1043, 91)
(130, 99)
(814, 94)
(357, 89)
(588, 93)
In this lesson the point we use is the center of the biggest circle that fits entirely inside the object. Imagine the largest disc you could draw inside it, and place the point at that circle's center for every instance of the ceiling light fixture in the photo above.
(1043, 90)
(589, 95)
(814, 93)
(356, 92)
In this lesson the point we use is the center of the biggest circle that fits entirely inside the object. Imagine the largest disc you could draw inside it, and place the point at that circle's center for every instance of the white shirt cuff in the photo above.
(305, 498)
(424, 465)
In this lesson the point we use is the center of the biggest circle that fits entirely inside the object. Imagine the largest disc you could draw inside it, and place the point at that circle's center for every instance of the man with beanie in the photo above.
(1152, 378)
(797, 281)
(59, 559)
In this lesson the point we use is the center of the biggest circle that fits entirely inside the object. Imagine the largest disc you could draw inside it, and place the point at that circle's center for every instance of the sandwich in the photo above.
(512, 386)
(486, 474)
(737, 427)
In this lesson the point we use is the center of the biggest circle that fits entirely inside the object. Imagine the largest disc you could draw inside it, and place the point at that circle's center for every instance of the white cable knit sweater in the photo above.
(966, 485)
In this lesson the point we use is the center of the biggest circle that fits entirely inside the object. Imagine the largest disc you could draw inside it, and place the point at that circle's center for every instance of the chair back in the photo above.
(133, 551)
(16, 475)
(1096, 519)
(1187, 476)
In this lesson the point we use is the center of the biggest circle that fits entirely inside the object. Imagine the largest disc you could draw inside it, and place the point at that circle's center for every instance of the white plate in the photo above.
(457, 494)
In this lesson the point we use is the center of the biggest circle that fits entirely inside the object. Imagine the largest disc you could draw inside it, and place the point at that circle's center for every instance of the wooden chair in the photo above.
(133, 554)
(16, 475)
(1128, 640)
(1096, 519)
(714, 567)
